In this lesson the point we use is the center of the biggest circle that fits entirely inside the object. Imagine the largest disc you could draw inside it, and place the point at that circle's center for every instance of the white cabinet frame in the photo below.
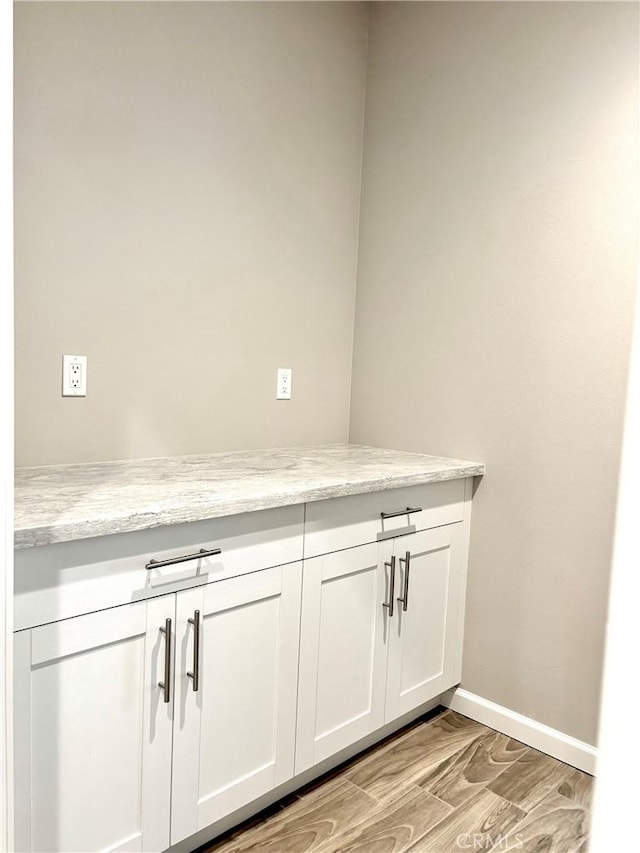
(6, 428)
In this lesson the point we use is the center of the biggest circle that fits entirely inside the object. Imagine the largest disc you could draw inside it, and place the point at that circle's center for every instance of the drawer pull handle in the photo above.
(195, 675)
(166, 684)
(398, 512)
(391, 565)
(404, 600)
(158, 564)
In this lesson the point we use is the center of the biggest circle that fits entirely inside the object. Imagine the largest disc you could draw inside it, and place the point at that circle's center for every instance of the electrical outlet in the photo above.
(74, 376)
(283, 383)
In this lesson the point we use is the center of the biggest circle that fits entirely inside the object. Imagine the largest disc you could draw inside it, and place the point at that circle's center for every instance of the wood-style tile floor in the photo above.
(444, 785)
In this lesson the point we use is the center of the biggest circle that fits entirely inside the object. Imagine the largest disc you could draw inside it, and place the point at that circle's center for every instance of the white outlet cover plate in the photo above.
(74, 376)
(283, 383)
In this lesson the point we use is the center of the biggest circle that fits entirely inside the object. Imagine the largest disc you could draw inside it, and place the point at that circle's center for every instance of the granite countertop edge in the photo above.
(30, 531)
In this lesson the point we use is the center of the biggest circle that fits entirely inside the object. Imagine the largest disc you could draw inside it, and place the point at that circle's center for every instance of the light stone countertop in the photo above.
(59, 503)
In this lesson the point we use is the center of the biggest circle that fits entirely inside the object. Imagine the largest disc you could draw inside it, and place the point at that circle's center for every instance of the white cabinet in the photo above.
(234, 730)
(364, 663)
(93, 734)
(282, 650)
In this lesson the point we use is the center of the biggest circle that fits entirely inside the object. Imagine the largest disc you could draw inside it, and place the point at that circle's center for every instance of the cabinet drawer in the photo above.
(339, 523)
(71, 578)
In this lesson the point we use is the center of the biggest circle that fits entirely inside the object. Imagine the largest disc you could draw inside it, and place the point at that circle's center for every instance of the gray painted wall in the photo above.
(187, 199)
(496, 280)
(186, 213)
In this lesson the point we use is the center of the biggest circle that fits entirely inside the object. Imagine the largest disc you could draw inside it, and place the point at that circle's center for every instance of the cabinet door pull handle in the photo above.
(195, 675)
(171, 561)
(404, 600)
(408, 511)
(166, 684)
(391, 565)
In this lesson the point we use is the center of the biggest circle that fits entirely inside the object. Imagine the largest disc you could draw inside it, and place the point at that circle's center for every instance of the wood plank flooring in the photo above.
(446, 784)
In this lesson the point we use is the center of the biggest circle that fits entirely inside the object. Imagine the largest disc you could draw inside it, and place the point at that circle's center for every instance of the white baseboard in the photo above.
(551, 741)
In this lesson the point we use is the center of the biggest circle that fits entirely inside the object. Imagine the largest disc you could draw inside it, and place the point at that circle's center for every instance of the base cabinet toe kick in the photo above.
(167, 678)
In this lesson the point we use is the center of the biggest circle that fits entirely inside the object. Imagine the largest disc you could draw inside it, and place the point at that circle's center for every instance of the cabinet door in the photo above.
(234, 735)
(93, 734)
(343, 652)
(423, 644)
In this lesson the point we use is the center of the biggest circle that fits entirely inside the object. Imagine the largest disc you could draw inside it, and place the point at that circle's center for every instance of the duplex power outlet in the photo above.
(283, 383)
(74, 376)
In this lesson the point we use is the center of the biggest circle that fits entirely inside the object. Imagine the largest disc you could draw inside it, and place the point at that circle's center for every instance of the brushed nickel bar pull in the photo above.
(195, 675)
(392, 585)
(404, 600)
(407, 511)
(158, 564)
(166, 684)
